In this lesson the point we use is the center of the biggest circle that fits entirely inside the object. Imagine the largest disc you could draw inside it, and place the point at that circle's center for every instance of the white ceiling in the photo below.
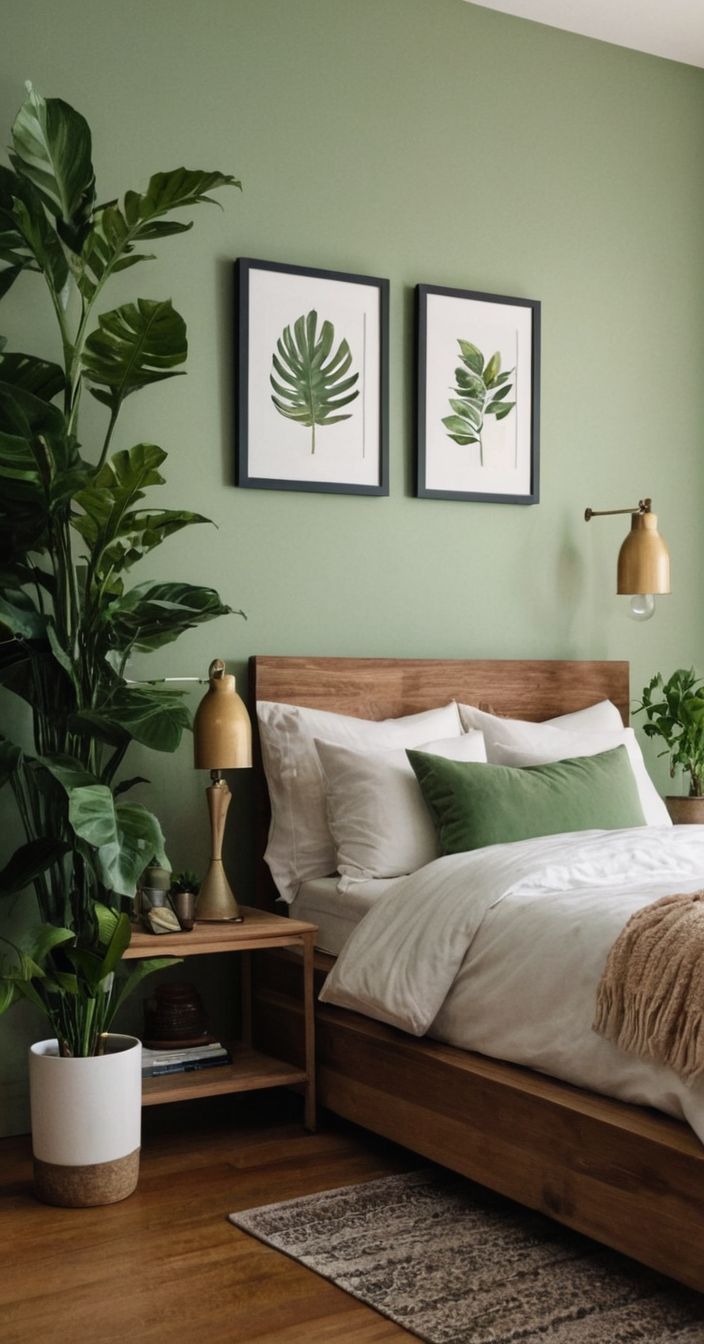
(671, 28)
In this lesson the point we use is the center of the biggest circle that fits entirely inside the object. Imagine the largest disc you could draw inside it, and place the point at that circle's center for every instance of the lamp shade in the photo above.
(644, 560)
(222, 732)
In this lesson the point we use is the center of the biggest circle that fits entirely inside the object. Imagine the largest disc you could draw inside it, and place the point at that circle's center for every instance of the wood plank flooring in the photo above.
(165, 1265)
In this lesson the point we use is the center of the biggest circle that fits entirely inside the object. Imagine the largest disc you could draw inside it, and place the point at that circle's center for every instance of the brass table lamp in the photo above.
(222, 740)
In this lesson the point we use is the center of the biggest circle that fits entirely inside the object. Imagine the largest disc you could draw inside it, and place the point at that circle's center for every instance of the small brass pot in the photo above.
(184, 904)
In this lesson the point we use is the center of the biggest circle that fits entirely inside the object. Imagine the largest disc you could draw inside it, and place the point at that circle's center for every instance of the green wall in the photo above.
(427, 141)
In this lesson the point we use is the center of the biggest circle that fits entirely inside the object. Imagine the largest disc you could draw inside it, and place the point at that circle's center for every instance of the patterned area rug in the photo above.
(454, 1264)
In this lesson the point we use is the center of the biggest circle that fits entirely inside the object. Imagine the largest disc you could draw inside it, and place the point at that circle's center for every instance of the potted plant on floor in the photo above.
(71, 528)
(674, 710)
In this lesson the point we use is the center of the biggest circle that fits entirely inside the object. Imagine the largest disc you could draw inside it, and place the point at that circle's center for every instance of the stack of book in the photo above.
(183, 1059)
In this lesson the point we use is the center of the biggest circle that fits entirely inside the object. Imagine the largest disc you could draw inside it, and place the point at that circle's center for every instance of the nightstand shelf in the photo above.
(250, 1069)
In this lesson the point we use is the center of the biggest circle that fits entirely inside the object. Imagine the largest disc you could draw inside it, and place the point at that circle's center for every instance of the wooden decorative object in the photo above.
(625, 1175)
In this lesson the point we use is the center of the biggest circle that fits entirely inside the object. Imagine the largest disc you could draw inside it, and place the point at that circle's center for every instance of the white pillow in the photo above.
(604, 716)
(376, 814)
(300, 845)
(554, 744)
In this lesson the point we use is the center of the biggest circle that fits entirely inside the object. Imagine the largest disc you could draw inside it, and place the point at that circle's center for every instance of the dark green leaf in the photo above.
(40, 940)
(125, 836)
(10, 757)
(30, 239)
(39, 376)
(176, 190)
(52, 148)
(152, 715)
(68, 771)
(8, 275)
(19, 614)
(134, 346)
(116, 230)
(153, 614)
(126, 784)
(146, 966)
(28, 862)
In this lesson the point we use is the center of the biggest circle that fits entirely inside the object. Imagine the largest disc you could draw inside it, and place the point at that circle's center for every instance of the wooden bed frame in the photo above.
(626, 1175)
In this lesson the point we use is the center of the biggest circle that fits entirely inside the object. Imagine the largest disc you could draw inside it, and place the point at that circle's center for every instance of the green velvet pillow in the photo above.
(473, 805)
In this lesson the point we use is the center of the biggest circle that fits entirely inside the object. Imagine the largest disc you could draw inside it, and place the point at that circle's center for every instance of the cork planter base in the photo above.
(86, 1123)
(685, 811)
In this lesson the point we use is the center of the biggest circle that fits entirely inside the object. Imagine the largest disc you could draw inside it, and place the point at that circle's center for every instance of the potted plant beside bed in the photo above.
(71, 528)
(674, 711)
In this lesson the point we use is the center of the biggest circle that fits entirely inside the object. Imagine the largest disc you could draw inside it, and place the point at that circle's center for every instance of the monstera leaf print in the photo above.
(311, 384)
(481, 389)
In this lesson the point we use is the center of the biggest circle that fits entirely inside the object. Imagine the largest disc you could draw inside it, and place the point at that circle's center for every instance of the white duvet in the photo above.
(501, 951)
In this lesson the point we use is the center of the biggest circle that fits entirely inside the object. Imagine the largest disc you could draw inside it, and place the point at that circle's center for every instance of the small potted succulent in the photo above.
(184, 894)
(674, 710)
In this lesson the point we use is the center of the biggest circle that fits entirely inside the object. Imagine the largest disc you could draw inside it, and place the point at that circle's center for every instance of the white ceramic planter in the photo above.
(86, 1122)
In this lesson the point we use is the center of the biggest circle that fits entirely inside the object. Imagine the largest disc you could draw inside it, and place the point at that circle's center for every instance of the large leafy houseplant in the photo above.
(71, 528)
(674, 710)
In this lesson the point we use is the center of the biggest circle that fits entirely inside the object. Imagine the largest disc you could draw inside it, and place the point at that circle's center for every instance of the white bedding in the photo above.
(501, 950)
(337, 915)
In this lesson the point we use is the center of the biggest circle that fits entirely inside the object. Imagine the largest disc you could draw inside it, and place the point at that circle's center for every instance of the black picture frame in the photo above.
(443, 472)
(270, 298)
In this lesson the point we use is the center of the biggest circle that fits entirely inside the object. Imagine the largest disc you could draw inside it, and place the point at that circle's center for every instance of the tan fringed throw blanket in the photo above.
(650, 999)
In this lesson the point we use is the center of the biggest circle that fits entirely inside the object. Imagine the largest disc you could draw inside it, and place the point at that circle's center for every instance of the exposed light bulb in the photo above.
(641, 607)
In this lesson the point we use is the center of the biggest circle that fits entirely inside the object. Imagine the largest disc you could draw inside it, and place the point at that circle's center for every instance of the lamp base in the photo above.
(216, 901)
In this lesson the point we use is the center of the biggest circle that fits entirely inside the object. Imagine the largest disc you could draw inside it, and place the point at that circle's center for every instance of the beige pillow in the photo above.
(378, 820)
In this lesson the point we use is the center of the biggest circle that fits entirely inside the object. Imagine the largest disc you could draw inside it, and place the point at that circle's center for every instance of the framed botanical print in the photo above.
(478, 367)
(311, 379)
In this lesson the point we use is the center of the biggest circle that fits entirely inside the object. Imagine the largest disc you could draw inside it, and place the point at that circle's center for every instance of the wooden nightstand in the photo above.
(249, 1069)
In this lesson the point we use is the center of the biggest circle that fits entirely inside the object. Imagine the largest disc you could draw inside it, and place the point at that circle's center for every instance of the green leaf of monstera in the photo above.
(116, 229)
(153, 614)
(52, 148)
(40, 466)
(310, 382)
(153, 715)
(39, 376)
(135, 345)
(125, 836)
(117, 534)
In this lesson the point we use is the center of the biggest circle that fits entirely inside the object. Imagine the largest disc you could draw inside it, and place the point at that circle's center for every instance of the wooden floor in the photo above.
(165, 1265)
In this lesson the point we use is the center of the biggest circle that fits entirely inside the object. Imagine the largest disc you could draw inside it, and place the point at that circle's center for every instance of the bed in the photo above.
(626, 1175)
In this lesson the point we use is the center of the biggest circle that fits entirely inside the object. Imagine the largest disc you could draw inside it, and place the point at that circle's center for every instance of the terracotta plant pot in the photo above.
(86, 1123)
(685, 811)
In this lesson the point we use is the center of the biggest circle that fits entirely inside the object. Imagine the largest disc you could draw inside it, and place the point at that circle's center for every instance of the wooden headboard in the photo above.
(382, 688)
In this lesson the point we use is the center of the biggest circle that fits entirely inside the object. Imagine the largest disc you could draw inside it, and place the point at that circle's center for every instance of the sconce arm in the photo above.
(644, 506)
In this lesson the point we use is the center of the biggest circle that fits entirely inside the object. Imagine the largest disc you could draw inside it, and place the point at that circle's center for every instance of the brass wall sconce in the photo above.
(643, 560)
(222, 740)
